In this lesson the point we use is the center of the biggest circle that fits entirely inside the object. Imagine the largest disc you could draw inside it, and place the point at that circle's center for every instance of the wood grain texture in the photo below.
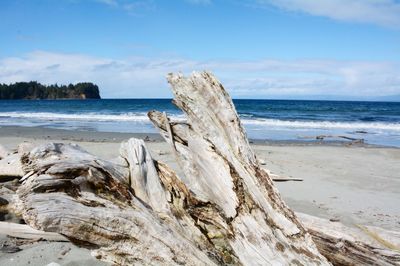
(220, 167)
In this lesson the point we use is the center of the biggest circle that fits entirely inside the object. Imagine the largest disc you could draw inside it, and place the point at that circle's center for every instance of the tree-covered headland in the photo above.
(35, 90)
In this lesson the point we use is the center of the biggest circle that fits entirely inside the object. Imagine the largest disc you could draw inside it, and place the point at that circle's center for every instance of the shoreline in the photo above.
(41, 132)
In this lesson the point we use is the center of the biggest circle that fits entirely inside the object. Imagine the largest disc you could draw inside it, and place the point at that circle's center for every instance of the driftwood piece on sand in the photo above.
(352, 140)
(11, 166)
(224, 210)
(90, 201)
(10, 161)
(343, 245)
(27, 232)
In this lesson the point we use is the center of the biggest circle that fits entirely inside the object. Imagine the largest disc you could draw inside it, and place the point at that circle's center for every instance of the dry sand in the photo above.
(357, 185)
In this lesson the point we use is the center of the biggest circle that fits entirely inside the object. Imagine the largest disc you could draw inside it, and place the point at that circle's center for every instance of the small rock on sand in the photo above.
(262, 162)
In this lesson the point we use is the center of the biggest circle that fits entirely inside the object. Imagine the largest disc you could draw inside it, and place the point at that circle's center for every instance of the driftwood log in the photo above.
(26, 232)
(223, 210)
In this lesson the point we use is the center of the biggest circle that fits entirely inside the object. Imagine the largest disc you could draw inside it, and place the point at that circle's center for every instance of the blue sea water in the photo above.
(376, 122)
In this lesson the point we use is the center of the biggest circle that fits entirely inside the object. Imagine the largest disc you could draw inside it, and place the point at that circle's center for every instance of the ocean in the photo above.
(276, 120)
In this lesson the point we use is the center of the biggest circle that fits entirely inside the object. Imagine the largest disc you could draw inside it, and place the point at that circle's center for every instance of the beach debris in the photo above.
(361, 132)
(352, 140)
(160, 152)
(278, 178)
(9, 248)
(262, 162)
(147, 139)
(65, 251)
(223, 210)
(53, 264)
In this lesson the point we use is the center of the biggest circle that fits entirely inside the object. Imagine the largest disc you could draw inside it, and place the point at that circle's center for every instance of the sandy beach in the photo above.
(352, 184)
(356, 184)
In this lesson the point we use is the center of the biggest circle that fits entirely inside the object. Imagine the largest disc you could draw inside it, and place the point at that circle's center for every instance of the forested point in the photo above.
(34, 90)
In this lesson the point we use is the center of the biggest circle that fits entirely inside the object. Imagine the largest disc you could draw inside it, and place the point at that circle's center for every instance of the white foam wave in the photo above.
(274, 123)
(142, 118)
(132, 117)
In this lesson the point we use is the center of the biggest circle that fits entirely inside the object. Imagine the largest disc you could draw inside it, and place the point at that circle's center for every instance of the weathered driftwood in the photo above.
(90, 201)
(278, 178)
(10, 166)
(100, 218)
(224, 210)
(10, 162)
(220, 167)
(27, 232)
(343, 245)
(352, 140)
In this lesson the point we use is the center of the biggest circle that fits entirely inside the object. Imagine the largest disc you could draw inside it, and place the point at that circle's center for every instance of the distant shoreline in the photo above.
(33, 90)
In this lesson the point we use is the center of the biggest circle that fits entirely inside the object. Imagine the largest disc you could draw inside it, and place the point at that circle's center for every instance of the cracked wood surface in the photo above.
(220, 167)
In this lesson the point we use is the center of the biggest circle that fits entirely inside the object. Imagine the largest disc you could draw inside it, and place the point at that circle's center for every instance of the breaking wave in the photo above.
(322, 124)
(93, 117)
(259, 122)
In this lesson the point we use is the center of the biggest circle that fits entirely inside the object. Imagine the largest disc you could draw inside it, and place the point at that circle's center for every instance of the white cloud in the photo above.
(145, 77)
(379, 12)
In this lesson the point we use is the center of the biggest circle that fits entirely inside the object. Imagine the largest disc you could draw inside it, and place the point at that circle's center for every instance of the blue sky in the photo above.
(344, 49)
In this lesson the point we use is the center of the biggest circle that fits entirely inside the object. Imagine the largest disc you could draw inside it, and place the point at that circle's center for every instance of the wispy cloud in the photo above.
(199, 2)
(380, 12)
(132, 6)
(108, 2)
(145, 77)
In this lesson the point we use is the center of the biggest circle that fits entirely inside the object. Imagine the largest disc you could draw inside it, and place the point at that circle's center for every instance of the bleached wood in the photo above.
(221, 168)
(344, 245)
(11, 166)
(25, 147)
(27, 232)
(89, 200)
(143, 176)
